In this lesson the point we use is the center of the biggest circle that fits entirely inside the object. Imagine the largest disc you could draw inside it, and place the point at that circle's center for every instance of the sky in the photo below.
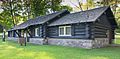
(0, 7)
(72, 3)
(75, 2)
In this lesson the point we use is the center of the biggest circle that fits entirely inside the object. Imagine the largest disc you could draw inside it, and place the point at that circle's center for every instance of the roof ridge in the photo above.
(91, 9)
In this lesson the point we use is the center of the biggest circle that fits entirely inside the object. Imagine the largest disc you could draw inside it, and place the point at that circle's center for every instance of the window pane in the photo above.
(61, 31)
(37, 31)
(22, 33)
(68, 31)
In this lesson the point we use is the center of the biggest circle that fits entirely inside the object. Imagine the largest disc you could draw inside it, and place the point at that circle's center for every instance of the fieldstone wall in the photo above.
(83, 43)
(13, 38)
(36, 40)
(100, 42)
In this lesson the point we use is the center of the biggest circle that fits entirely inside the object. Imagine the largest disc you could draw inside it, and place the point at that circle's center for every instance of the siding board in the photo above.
(77, 31)
(99, 29)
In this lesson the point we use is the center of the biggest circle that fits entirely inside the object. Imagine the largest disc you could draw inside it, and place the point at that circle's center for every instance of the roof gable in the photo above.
(111, 18)
(80, 17)
(43, 19)
(39, 20)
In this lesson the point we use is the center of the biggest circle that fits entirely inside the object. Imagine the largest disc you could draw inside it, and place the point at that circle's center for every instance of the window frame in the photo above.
(36, 32)
(11, 34)
(64, 31)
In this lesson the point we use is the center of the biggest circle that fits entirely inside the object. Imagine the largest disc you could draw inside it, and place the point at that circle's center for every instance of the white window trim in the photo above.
(22, 33)
(36, 32)
(64, 30)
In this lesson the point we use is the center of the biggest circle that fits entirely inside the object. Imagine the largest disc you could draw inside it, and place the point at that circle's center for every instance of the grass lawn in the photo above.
(12, 50)
(117, 41)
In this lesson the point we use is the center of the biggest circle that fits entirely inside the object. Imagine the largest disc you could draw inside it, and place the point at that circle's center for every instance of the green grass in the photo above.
(117, 30)
(117, 36)
(12, 50)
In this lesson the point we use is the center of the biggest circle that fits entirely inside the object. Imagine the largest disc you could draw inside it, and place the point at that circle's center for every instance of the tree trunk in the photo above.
(80, 5)
(11, 11)
(3, 35)
(115, 7)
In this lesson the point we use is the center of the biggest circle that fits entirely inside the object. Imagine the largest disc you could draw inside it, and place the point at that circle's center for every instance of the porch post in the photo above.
(3, 34)
(111, 36)
(45, 41)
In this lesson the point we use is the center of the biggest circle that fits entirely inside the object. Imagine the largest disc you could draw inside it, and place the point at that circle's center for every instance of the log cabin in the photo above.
(92, 28)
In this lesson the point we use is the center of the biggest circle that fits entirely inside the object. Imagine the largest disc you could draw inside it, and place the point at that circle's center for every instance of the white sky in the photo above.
(72, 3)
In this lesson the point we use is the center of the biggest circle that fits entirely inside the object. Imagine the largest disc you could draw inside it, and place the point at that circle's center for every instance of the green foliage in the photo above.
(17, 11)
(5, 20)
(117, 16)
(1, 28)
(117, 41)
(118, 30)
(43, 7)
(11, 14)
(66, 7)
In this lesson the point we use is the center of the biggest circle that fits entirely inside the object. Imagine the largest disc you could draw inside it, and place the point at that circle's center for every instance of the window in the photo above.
(68, 30)
(65, 31)
(11, 33)
(36, 31)
(16, 33)
(28, 33)
(22, 33)
(61, 29)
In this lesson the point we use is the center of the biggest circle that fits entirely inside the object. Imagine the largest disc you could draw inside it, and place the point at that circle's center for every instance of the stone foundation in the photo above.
(13, 38)
(71, 42)
(36, 40)
(100, 42)
(83, 43)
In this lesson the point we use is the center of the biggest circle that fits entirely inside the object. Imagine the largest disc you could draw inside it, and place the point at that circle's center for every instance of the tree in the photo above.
(5, 22)
(43, 7)
(13, 9)
(10, 15)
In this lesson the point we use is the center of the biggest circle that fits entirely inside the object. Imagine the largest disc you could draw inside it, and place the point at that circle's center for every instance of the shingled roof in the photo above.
(79, 17)
(38, 20)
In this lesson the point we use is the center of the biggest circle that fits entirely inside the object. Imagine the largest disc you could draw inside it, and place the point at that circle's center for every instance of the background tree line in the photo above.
(17, 11)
